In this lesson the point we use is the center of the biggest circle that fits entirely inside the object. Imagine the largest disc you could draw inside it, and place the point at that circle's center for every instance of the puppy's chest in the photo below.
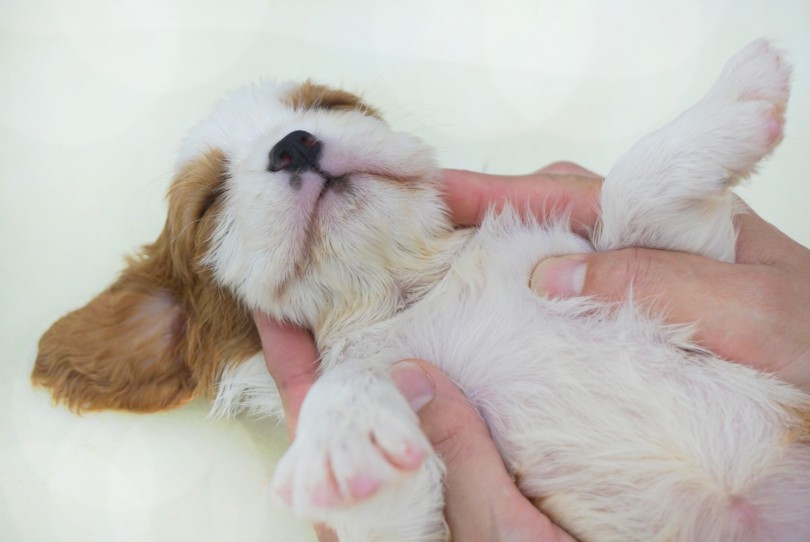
(503, 344)
(482, 319)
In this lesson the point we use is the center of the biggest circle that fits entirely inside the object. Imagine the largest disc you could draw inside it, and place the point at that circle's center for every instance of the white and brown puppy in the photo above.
(301, 202)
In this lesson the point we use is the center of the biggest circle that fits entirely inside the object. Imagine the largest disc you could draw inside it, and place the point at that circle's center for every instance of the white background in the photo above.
(96, 95)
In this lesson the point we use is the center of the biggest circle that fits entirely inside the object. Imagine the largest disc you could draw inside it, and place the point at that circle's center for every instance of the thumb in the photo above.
(675, 278)
(560, 276)
(482, 500)
(722, 299)
(457, 433)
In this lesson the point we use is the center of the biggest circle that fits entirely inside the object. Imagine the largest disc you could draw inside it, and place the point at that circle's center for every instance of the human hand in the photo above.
(755, 311)
(482, 501)
(292, 360)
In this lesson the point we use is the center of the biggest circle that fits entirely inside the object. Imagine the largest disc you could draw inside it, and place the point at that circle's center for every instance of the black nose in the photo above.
(297, 151)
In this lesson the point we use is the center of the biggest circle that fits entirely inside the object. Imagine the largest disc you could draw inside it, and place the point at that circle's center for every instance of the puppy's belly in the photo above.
(600, 413)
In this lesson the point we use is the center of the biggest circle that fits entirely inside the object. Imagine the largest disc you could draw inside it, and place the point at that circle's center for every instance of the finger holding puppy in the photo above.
(753, 311)
(475, 470)
(561, 187)
(754, 314)
(482, 501)
(292, 359)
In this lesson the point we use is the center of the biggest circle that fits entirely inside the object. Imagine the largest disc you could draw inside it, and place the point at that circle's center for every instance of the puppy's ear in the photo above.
(123, 350)
(164, 331)
(311, 95)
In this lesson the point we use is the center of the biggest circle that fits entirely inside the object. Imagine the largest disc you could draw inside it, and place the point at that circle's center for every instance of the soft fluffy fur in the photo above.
(614, 423)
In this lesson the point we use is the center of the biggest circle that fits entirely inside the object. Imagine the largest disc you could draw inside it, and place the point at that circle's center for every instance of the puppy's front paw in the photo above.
(347, 449)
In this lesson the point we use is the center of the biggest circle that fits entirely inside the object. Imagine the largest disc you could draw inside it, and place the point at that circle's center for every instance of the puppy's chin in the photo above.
(334, 241)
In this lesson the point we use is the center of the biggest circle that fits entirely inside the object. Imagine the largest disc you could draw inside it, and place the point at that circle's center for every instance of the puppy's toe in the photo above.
(758, 72)
(348, 458)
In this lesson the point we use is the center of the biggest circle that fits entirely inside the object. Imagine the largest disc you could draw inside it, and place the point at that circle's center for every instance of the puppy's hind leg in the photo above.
(670, 190)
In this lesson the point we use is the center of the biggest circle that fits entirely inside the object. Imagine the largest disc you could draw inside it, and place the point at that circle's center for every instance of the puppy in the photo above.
(300, 201)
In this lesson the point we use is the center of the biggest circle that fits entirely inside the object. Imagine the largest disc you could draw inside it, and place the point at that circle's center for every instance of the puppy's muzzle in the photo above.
(297, 152)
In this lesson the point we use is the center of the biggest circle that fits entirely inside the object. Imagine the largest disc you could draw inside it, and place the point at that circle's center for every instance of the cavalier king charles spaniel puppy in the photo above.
(298, 200)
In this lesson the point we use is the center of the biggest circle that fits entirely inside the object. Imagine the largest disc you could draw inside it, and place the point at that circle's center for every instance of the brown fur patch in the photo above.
(801, 431)
(163, 332)
(310, 95)
(114, 353)
(805, 417)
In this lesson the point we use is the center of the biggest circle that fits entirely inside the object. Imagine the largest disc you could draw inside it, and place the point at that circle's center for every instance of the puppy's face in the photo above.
(295, 200)
(319, 204)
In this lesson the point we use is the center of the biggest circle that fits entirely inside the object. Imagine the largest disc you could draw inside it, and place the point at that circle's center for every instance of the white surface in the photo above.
(95, 97)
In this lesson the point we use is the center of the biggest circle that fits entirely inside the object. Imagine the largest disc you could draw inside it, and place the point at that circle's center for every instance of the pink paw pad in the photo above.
(326, 493)
(774, 130)
(362, 486)
(409, 459)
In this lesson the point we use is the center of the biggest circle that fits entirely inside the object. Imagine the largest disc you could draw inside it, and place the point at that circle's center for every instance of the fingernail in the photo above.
(413, 383)
(562, 276)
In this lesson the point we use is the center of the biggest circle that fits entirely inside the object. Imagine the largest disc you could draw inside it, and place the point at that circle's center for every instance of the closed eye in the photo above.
(210, 200)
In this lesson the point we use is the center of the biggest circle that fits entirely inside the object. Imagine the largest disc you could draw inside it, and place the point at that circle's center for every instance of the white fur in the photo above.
(624, 429)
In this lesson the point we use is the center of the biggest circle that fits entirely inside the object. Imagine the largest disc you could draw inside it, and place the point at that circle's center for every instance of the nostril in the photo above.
(297, 151)
(285, 160)
(308, 140)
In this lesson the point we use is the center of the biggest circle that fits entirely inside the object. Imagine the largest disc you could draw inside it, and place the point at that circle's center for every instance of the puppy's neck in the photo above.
(364, 301)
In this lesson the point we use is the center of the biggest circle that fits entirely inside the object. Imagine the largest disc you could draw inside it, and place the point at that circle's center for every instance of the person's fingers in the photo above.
(683, 287)
(739, 311)
(325, 534)
(760, 242)
(568, 187)
(471, 195)
(292, 359)
(483, 502)
(568, 168)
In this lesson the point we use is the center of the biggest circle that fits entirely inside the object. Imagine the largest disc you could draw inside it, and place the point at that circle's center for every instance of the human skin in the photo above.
(482, 501)
(755, 311)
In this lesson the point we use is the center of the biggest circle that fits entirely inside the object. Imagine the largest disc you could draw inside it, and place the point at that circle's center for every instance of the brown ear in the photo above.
(121, 351)
(311, 95)
(164, 331)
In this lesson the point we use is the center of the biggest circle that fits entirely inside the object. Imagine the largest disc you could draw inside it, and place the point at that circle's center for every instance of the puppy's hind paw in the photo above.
(670, 190)
(748, 104)
(758, 72)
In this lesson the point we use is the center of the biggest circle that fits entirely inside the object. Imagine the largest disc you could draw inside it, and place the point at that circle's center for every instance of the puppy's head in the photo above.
(322, 210)
(296, 200)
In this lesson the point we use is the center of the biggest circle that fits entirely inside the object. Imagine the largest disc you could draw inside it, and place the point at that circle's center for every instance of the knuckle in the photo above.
(456, 432)
(452, 445)
(767, 292)
(636, 268)
(620, 272)
(563, 167)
